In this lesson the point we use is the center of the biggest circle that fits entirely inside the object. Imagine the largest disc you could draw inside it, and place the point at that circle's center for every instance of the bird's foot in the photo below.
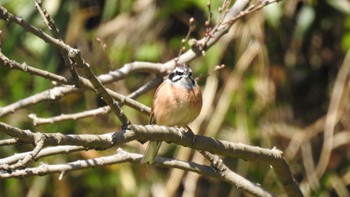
(190, 132)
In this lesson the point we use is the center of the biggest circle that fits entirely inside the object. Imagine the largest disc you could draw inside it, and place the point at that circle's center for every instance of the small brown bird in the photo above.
(177, 102)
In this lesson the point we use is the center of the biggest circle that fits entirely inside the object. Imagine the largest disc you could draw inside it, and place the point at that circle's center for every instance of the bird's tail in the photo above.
(151, 152)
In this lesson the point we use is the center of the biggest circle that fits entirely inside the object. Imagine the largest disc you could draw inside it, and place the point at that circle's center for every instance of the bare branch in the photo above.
(31, 70)
(7, 142)
(47, 95)
(43, 153)
(100, 89)
(75, 116)
(39, 141)
(93, 141)
(59, 92)
(55, 32)
(145, 88)
(121, 156)
(102, 110)
(7, 16)
(238, 181)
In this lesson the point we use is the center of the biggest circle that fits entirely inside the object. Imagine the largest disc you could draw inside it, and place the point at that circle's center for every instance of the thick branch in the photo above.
(7, 142)
(235, 179)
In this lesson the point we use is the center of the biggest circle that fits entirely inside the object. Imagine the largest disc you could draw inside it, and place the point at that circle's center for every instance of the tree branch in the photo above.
(7, 142)
(99, 88)
(43, 153)
(49, 22)
(102, 110)
(235, 179)
(121, 156)
(11, 64)
(39, 141)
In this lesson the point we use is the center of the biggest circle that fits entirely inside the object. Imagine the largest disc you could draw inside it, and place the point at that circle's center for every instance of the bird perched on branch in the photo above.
(177, 102)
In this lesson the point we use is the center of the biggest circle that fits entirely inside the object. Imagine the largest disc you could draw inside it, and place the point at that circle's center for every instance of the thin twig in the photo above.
(63, 117)
(43, 153)
(7, 142)
(39, 144)
(11, 64)
(55, 32)
(9, 17)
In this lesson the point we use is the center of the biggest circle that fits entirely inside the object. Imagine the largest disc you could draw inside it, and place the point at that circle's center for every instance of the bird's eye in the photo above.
(179, 73)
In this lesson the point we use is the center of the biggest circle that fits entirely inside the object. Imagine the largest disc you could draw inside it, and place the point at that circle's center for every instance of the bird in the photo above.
(176, 102)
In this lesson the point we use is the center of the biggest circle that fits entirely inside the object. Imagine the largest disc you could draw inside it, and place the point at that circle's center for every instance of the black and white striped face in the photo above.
(182, 76)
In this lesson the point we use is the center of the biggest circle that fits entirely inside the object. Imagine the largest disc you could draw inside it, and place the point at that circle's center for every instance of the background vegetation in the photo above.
(281, 76)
